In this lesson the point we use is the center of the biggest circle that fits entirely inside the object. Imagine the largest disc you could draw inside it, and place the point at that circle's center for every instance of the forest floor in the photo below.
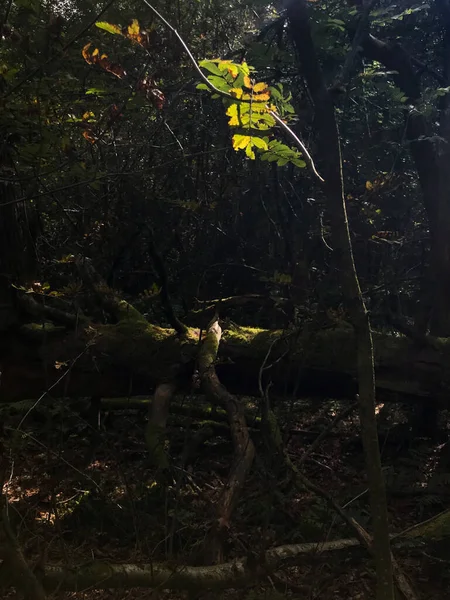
(80, 490)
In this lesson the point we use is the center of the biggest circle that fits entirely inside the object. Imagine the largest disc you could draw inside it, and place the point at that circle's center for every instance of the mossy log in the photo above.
(134, 356)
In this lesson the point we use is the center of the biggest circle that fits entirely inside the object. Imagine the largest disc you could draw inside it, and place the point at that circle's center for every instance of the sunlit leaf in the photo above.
(95, 91)
(240, 141)
(245, 68)
(219, 83)
(236, 92)
(85, 52)
(233, 70)
(247, 81)
(259, 87)
(262, 97)
(109, 27)
(133, 29)
(249, 152)
(232, 112)
(260, 143)
(94, 58)
(211, 67)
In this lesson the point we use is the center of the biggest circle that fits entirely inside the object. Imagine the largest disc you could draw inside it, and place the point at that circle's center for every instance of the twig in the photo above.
(62, 51)
(298, 142)
(326, 431)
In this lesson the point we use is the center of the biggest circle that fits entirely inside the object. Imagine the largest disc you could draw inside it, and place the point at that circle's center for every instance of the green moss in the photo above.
(435, 529)
(208, 352)
(127, 312)
(38, 330)
(247, 335)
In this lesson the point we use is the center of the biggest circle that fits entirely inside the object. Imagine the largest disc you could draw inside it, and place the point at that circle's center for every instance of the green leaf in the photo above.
(275, 93)
(259, 143)
(109, 27)
(95, 91)
(219, 83)
(202, 86)
(282, 161)
(211, 67)
(298, 162)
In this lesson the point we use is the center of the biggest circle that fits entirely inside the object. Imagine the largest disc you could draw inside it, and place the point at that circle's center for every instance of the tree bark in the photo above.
(329, 145)
(244, 449)
(430, 150)
(130, 358)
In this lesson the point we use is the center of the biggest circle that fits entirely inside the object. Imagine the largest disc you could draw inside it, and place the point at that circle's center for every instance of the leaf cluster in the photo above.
(251, 116)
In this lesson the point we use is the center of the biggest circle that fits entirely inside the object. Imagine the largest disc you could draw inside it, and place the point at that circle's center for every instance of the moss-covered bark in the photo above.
(133, 356)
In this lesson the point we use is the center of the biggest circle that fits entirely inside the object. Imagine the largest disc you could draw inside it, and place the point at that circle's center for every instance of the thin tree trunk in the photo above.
(329, 145)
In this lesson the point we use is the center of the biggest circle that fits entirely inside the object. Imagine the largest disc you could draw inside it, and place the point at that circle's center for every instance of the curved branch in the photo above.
(244, 449)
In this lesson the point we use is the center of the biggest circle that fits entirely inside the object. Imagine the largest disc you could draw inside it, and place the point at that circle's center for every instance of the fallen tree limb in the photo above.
(133, 355)
(237, 574)
(244, 449)
(240, 573)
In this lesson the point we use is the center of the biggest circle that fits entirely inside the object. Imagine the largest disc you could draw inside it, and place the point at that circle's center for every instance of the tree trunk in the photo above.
(329, 145)
(431, 154)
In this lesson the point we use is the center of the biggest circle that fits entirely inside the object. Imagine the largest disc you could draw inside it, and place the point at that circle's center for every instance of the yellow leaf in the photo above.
(232, 112)
(369, 185)
(134, 28)
(241, 141)
(233, 70)
(85, 52)
(261, 97)
(247, 81)
(259, 87)
(237, 92)
(249, 152)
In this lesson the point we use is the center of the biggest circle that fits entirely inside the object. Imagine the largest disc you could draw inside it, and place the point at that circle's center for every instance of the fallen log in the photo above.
(240, 573)
(237, 574)
(134, 356)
